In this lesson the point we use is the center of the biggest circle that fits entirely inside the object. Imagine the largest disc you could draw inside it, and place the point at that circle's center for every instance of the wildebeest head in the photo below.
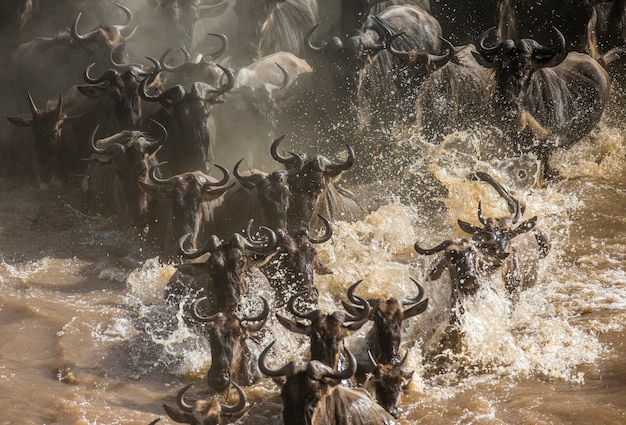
(201, 68)
(121, 85)
(130, 153)
(228, 262)
(515, 62)
(461, 260)
(203, 412)
(501, 229)
(387, 315)
(389, 381)
(193, 129)
(271, 192)
(326, 331)
(304, 389)
(308, 181)
(349, 55)
(186, 194)
(296, 261)
(46, 125)
(421, 63)
(227, 333)
(105, 42)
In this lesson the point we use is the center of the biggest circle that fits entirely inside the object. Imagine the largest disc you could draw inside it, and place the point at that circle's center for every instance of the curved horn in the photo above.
(373, 361)
(74, 30)
(364, 314)
(180, 399)
(286, 78)
(31, 104)
(249, 182)
(292, 307)
(328, 233)
(153, 177)
(441, 60)
(199, 317)
(337, 168)
(286, 370)
(173, 69)
(310, 46)
(418, 297)
(262, 316)
(129, 17)
(274, 151)
(559, 48)
(112, 149)
(240, 404)
(163, 130)
(510, 200)
(108, 75)
(402, 363)
(430, 251)
(225, 178)
(262, 245)
(347, 373)
(222, 49)
(212, 244)
(487, 52)
(229, 84)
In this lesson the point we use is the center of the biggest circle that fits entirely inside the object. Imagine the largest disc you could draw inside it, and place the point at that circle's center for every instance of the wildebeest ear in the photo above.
(482, 61)
(92, 91)
(70, 119)
(178, 415)
(21, 121)
(156, 192)
(468, 228)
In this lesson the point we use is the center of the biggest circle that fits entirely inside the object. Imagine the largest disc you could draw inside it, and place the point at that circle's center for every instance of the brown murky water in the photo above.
(87, 339)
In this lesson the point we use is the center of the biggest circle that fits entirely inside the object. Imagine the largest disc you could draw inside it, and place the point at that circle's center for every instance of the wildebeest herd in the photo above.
(155, 134)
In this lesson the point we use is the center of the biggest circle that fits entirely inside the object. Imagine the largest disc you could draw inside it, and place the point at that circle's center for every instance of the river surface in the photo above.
(87, 339)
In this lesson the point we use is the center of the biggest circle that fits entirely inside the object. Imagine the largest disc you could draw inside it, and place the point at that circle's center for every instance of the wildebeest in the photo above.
(203, 411)
(313, 189)
(232, 360)
(62, 58)
(167, 23)
(293, 269)
(223, 275)
(187, 116)
(118, 166)
(109, 100)
(389, 381)
(543, 93)
(383, 340)
(41, 151)
(453, 94)
(257, 101)
(313, 397)
(506, 230)
(259, 196)
(326, 331)
(269, 26)
(180, 203)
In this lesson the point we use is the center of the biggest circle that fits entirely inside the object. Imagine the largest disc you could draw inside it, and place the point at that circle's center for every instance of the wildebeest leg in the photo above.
(543, 240)
(513, 277)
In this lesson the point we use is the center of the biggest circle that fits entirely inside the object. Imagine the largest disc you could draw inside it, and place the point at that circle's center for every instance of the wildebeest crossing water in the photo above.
(92, 330)
(88, 331)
